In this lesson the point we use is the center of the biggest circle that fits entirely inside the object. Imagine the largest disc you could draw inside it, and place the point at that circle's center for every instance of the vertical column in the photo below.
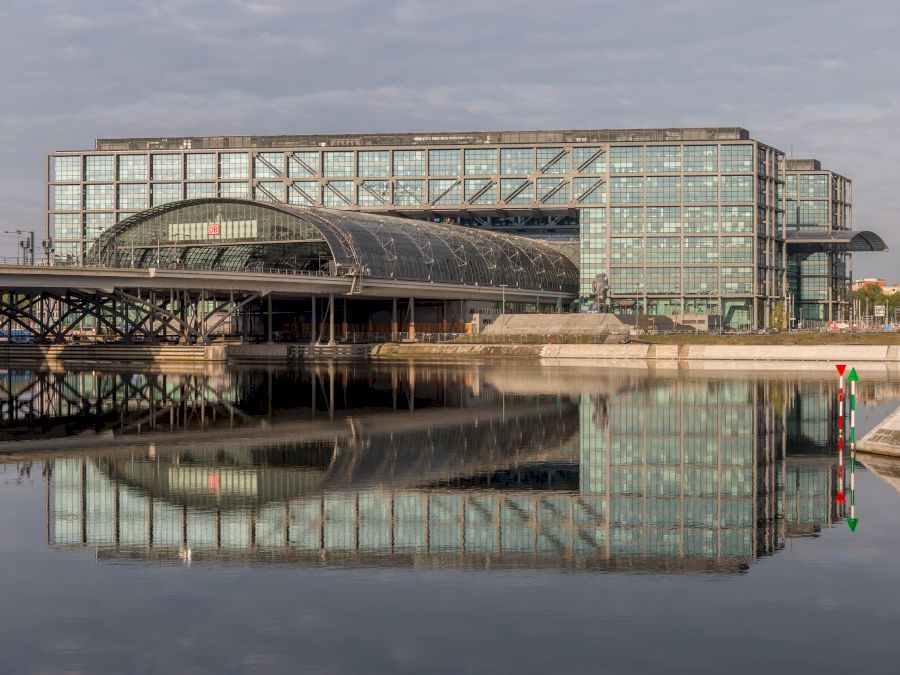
(412, 319)
(269, 338)
(331, 319)
(344, 329)
(312, 338)
(394, 328)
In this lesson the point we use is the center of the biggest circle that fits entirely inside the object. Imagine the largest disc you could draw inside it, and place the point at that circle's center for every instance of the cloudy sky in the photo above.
(817, 78)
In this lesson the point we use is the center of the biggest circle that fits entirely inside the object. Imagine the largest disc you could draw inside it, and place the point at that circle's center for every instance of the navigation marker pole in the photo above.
(852, 521)
(840, 494)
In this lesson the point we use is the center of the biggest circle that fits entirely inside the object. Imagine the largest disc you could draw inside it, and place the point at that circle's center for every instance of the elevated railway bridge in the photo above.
(189, 271)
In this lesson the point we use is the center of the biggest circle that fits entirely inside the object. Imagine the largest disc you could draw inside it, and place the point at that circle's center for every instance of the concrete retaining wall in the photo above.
(883, 439)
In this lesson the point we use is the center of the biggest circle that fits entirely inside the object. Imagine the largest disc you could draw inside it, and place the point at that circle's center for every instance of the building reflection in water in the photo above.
(442, 467)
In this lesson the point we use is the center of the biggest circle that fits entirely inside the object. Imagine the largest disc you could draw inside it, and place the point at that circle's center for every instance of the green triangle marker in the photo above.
(853, 377)
(852, 523)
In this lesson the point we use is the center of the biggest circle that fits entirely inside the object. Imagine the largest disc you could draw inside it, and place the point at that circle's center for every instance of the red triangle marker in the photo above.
(840, 498)
(841, 367)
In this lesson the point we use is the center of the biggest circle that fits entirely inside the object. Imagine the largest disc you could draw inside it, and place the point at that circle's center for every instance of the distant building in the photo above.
(862, 283)
(681, 221)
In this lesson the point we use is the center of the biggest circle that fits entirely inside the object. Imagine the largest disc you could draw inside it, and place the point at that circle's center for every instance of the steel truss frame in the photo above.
(185, 316)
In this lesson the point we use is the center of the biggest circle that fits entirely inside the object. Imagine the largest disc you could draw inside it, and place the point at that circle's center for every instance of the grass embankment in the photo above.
(773, 339)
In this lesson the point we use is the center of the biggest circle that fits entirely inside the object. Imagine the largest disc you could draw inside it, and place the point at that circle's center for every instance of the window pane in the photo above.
(67, 168)
(200, 166)
(132, 167)
(444, 162)
(234, 165)
(166, 167)
(99, 167)
(481, 162)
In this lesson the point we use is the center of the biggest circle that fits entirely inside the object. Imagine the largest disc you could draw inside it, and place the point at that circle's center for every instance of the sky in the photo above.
(813, 78)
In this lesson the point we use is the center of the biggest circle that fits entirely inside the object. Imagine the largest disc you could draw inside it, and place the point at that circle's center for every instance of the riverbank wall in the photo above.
(885, 358)
(710, 357)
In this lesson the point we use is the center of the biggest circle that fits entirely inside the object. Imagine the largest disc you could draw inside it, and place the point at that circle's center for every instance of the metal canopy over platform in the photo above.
(240, 235)
(835, 242)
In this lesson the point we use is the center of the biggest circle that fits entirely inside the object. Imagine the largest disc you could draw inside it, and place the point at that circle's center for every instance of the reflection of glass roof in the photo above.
(241, 235)
(846, 241)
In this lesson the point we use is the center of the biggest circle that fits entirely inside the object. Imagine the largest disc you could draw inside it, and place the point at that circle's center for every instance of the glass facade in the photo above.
(703, 191)
(817, 201)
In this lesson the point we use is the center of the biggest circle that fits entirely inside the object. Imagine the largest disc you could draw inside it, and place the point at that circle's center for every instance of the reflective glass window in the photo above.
(626, 219)
(663, 189)
(553, 160)
(408, 192)
(304, 193)
(627, 159)
(67, 168)
(481, 162)
(200, 190)
(233, 190)
(516, 191)
(133, 196)
(99, 197)
(480, 191)
(67, 226)
(663, 219)
(200, 166)
(302, 164)
(165, 167)
(737, 218)
(701, 188)
(737, 188)
(373, 163)
(552, 190)
(269, 165)
(65, 197)
(737, 158)
(234, 165)
(814, 185)
(516, 161)
(588, 159)
(589, 190)
(444, 162)
(269, 191)
(626, 189)
(338, 193)
(96, 224)
(444, 191)
(99, 167)
(338, 164)
(409, 162)
(132, 167)
(700, 158)
(373, 192)
(163, 193)
(663, 158)
(701, 219)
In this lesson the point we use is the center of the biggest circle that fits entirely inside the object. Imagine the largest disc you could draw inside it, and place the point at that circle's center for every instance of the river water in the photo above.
(441, 518)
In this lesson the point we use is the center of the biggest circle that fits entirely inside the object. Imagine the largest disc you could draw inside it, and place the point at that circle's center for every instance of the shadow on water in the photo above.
(429, 466)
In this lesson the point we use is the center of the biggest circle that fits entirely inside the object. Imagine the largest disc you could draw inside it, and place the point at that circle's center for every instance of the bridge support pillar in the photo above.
(412, 319)
(344, 322)
(331, 319)
(394, 328)
(269, 337)
(312, 338)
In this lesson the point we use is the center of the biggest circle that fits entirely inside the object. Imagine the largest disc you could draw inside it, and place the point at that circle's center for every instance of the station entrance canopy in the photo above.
(835, 242)
(232, 235)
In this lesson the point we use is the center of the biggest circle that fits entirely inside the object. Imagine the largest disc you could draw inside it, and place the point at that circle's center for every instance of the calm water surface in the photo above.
(425, 518)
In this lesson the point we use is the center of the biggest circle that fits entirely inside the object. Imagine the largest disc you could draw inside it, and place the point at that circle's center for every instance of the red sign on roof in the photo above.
(213, 230)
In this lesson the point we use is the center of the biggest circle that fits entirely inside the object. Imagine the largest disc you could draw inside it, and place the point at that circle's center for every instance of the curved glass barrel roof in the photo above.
(241, 235)
(840, 241)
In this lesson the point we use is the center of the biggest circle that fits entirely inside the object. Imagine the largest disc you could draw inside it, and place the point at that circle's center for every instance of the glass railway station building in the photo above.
(680, 221)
